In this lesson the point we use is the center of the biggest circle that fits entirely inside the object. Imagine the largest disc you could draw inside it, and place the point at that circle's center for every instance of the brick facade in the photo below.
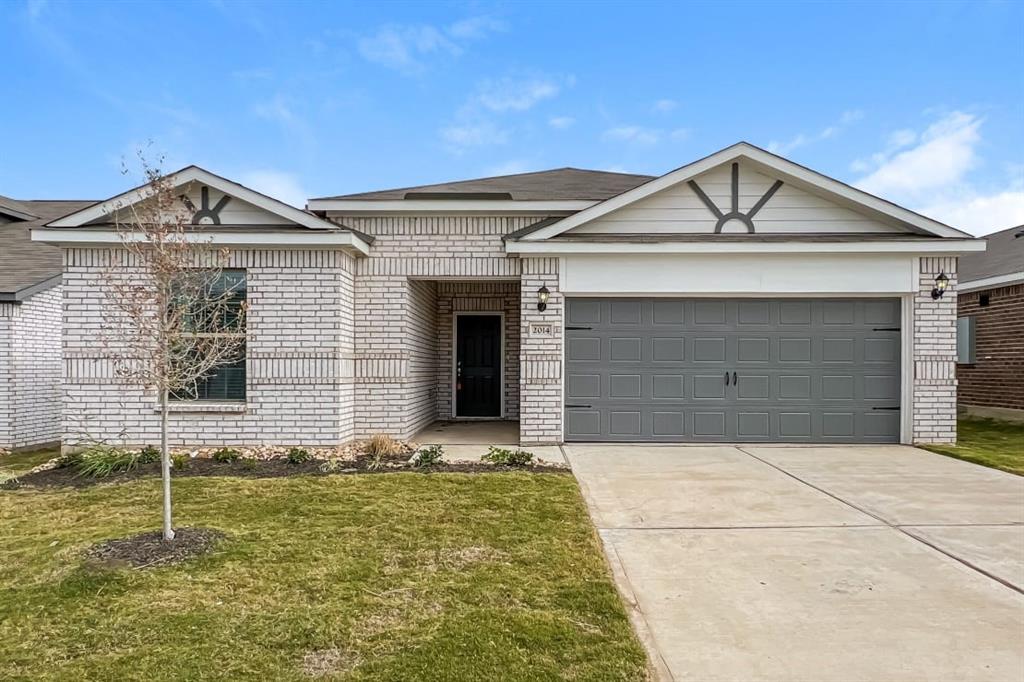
(299, 386)
(996, 378)
(934, 353)
(30, 370)
(411, 255)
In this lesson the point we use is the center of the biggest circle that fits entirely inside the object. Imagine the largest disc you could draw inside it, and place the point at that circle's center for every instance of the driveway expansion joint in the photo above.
(897, 527)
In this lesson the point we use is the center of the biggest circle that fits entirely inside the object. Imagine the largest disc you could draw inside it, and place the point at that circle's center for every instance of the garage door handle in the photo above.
(886, 329)
(885, 408)
(726, 378)
(734, 378)
(578, 329)
(572, 407)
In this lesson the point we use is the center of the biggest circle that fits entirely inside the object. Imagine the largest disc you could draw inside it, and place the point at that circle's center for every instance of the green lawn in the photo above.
(16, 464)
(362, 577)
(991, 442)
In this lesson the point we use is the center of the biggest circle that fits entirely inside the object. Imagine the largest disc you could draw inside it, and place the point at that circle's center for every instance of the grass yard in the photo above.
(404, 576)
(15, 464)
(991, 442)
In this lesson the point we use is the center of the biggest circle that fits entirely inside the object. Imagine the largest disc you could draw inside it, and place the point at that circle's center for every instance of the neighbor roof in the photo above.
(559, 184)
(28, 266)
(15, 209)
(1004, 256)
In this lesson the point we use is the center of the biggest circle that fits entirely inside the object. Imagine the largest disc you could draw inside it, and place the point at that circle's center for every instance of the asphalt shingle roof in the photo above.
(560, 184)
(23, 262)
(1004, 256)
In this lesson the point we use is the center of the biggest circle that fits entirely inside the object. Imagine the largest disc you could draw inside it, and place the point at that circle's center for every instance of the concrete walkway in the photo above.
(813, 563)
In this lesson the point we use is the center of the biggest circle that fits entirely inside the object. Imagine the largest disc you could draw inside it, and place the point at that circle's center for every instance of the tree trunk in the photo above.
(165, 466)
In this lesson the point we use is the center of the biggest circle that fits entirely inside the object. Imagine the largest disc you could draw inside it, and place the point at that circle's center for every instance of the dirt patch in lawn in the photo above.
(150, 549)
(273, 468)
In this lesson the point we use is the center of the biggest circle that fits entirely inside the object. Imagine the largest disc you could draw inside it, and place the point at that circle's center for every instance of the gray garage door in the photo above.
(787, 370)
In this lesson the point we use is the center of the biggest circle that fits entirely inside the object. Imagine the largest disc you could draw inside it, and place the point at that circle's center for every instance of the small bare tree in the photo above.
(172, 319)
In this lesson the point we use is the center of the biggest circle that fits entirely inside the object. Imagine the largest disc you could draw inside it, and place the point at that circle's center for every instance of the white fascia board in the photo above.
(183, 177)
(778, 166)
(318, 239)
(446, 206)
(992, 282)
(937, 246)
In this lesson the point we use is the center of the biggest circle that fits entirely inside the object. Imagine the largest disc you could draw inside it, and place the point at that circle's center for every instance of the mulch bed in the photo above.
(150, 549)
(273, 468)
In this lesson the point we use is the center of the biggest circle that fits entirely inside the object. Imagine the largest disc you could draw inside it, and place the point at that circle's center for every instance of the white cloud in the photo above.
(405, 47)
(507, 94)
(475, 28)
(980, 214)
(561, 122)
(402, 47)
(511, 167)
(930, 172)
(632, 134)
(462, 137)
(280, 185)
(945, 153)
(846, 119)
(663, 106)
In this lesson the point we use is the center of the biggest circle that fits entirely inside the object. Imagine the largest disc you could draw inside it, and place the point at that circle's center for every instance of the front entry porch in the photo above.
(476, 432)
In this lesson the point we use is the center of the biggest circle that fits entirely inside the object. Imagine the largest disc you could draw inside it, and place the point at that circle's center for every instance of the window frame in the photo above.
(966, 340)
(180, 399)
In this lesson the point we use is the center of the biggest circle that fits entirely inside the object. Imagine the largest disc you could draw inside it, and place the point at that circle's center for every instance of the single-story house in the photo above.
(30, 319)
(741, 297)
(990, 327)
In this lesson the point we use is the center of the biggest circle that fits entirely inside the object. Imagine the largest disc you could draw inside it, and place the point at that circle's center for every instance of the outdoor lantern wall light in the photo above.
(542, 298)
(941, 282)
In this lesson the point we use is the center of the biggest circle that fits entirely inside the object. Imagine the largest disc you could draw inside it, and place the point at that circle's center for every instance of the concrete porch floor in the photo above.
(469, 440)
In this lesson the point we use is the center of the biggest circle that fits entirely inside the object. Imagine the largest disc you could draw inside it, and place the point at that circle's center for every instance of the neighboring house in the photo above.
(741, 297)
(991, 327)
(30, 321)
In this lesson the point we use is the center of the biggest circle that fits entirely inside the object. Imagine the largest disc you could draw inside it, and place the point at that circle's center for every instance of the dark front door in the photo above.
(478, 366)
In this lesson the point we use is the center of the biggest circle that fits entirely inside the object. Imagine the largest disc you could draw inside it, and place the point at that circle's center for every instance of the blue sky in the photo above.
(920, 102)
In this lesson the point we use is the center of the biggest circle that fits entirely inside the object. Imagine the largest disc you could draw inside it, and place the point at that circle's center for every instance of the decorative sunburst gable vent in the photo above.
(735, 214)
(205, 215)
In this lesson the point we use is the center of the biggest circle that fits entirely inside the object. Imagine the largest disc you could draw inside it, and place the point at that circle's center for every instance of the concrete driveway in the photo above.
(813, 563)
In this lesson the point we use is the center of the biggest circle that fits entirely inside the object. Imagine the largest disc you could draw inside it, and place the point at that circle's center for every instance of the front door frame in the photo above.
(455, 359)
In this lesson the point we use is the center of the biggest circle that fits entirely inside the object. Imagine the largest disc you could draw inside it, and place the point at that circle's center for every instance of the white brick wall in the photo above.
(934, 418)
(439, 249)
(540, 393)
(299, 357)
(30, 370)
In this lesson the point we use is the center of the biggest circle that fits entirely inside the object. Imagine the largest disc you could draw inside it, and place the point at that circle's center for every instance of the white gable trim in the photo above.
(205, 177)
(768, 163)
(346, 241)
(992, 282)
(914, 245)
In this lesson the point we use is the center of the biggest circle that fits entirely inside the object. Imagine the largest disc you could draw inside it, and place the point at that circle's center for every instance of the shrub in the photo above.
(69, 459)
(382, 445)
(427, 456)
(298, 455)
(149, 454)
(180, 461)
(226, 456)
(379, 447)
(104, 460)
(334, 465)
(512, 458)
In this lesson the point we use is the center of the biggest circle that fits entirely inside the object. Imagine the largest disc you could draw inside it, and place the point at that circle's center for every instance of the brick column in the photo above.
(540, 377)
(934, 418)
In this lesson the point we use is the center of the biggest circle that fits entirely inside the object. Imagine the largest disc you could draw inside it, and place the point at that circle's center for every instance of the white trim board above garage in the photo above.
(737, 187)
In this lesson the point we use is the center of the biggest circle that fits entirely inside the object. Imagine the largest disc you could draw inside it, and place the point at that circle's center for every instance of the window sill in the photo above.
(202, 406)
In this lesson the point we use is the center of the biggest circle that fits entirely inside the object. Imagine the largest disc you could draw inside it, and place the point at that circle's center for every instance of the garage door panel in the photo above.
(799, 370)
